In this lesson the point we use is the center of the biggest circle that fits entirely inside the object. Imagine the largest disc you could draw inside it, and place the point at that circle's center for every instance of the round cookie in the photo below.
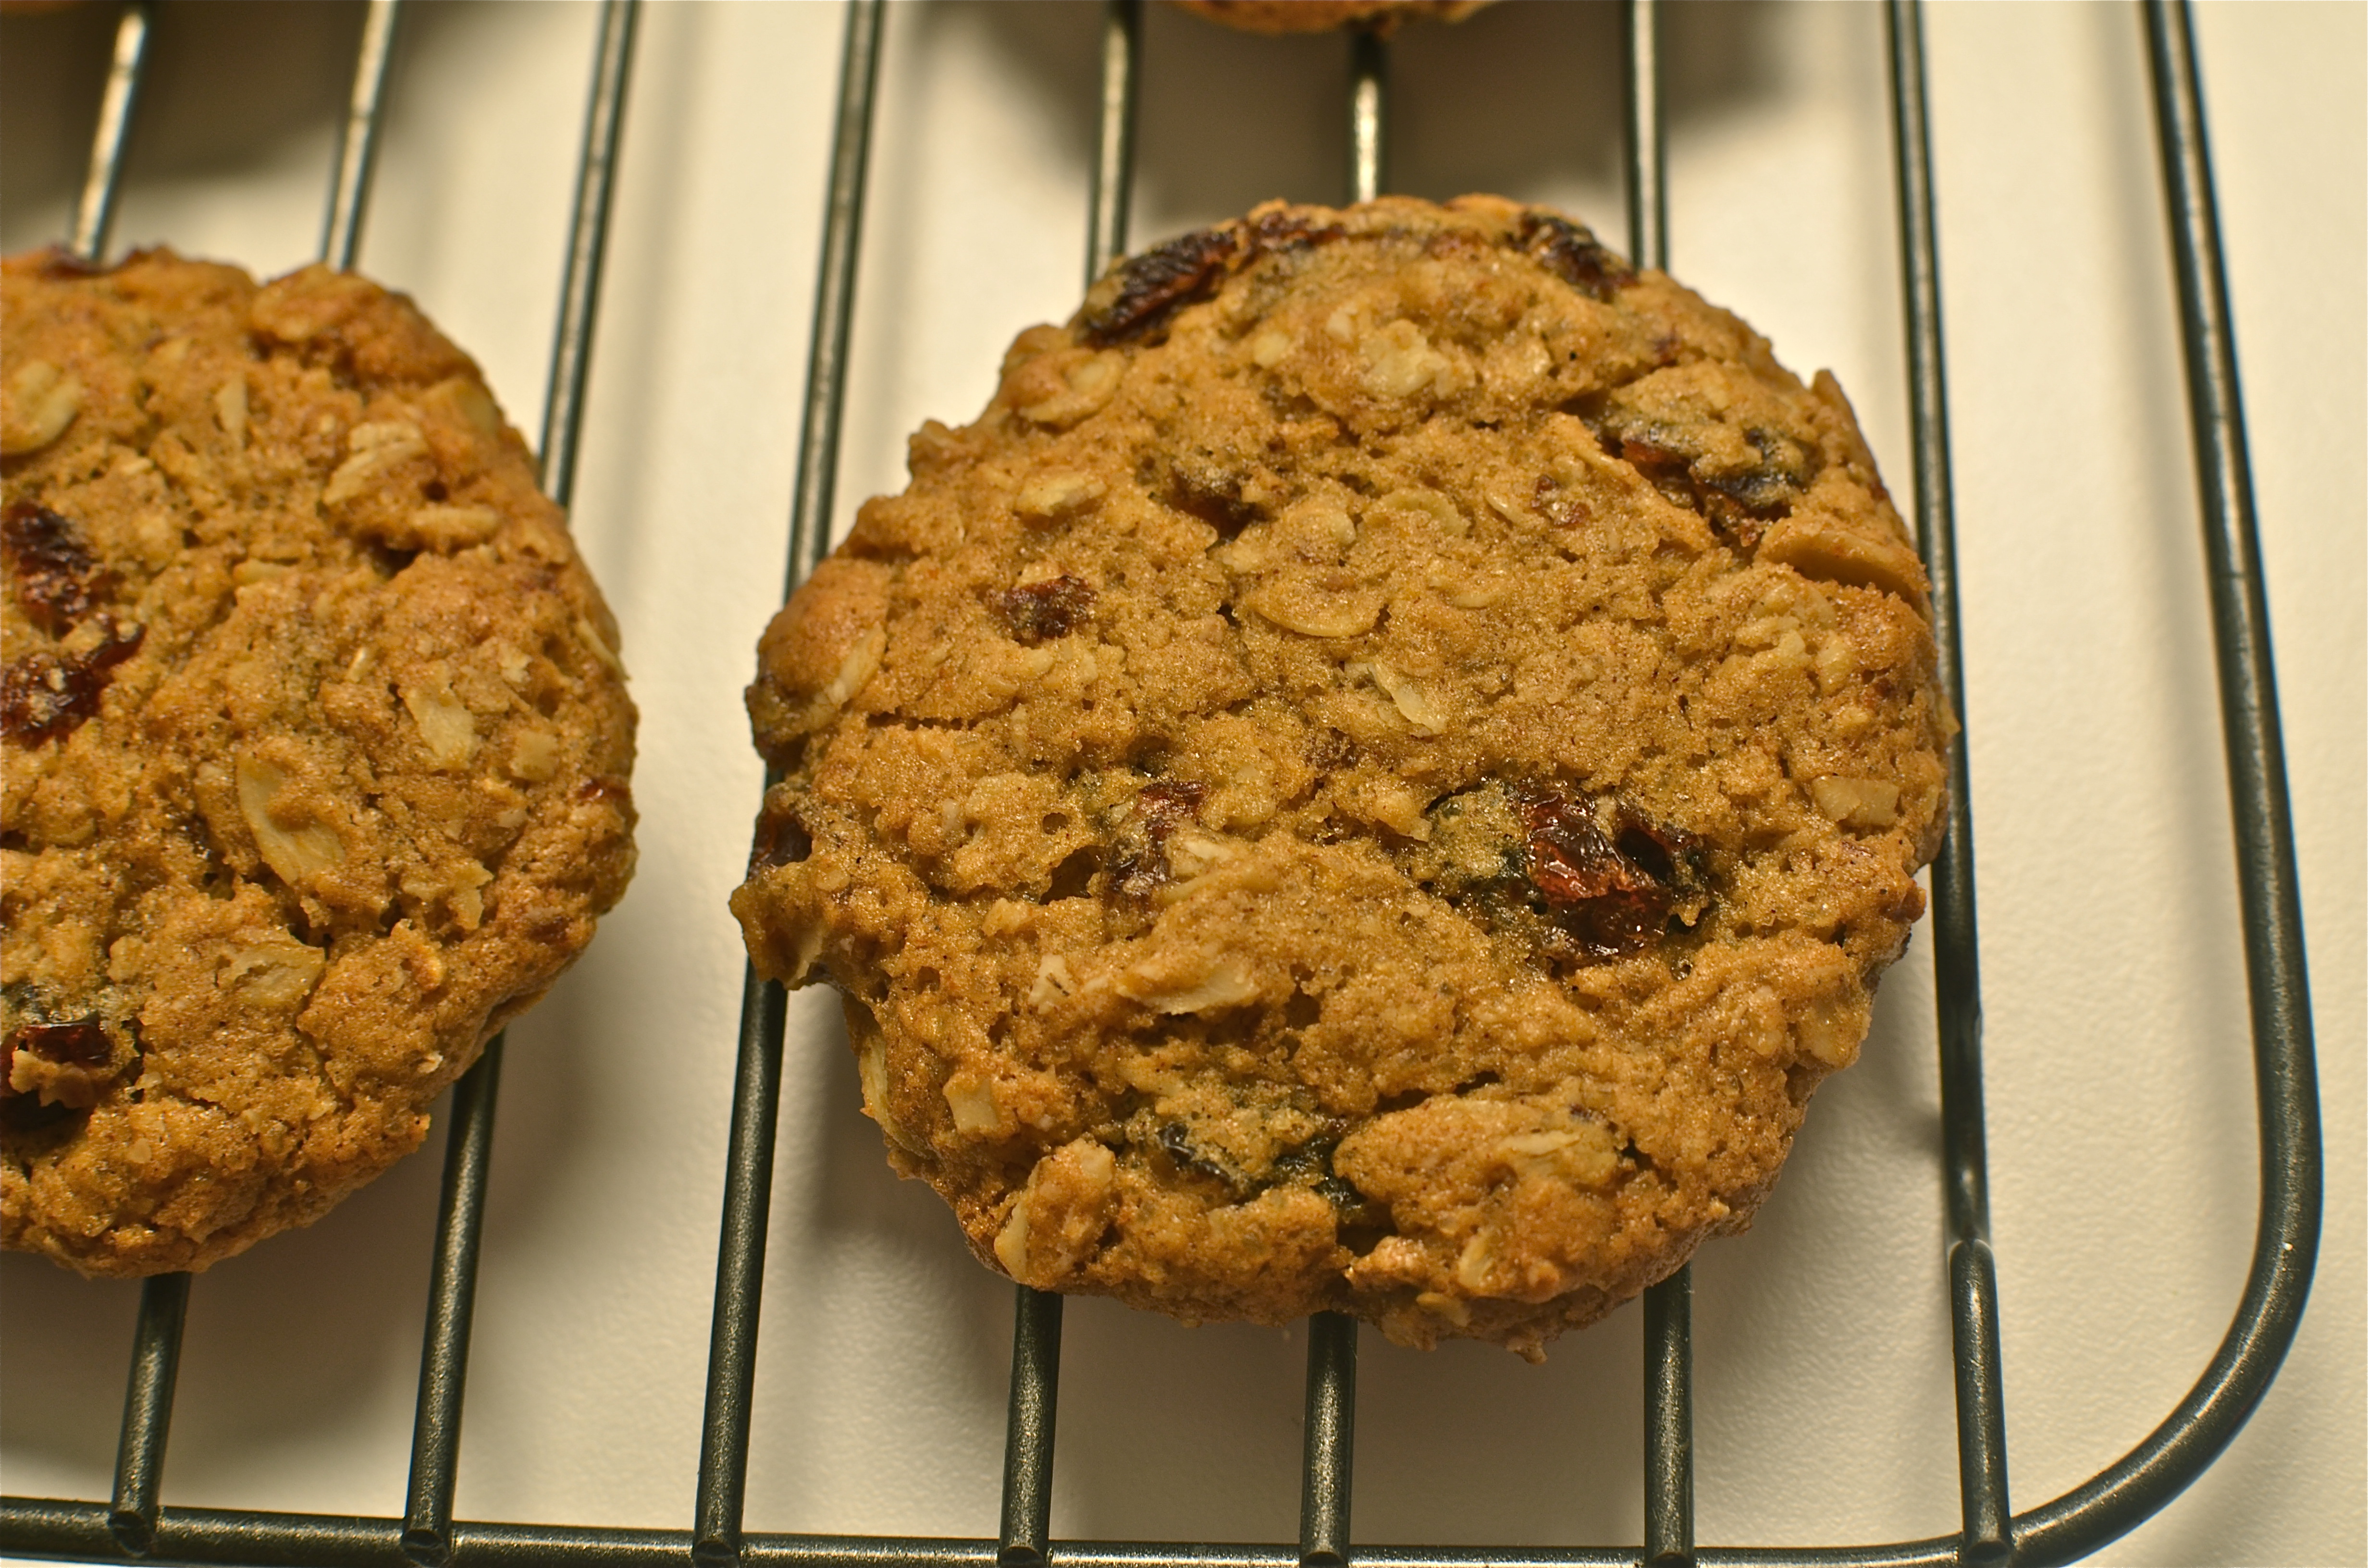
(1323, 16)
(1379, 775)
(316, 743)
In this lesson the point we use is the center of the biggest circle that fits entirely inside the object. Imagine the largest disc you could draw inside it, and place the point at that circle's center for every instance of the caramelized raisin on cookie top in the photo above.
(1397, 742)
(314, 741)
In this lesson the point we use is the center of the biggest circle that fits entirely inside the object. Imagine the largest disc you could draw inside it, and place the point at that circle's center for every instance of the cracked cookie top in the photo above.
(1378, 773)
(315, 748)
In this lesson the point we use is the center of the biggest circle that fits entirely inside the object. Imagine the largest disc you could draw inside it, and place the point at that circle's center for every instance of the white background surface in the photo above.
(2119, 1089)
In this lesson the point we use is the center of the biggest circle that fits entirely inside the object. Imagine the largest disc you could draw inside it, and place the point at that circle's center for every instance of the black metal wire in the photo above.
(1327, 1465)
(764, 1006)
(451, 1306)
(1033, 1417)
(587, 241)
(2082, 1520)
(834, 295)
(1106, 219)
(148, 1411)
(95, 215)
(1669, 1306)
(1368, 114)
(1668, 1422)
(341, 228)
(2285, 1247)
(1649, 176)
(740, 1272)
(1026, 1533)
(1972, 1270)
(460, 1226)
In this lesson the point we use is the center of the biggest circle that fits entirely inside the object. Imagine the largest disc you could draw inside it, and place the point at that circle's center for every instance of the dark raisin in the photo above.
(1286, 230)
(46, 697)
(1785, 469)
(1037, 612)
(1200, 490)
(1359, 1223)
(782, 839)
(1671, 471)
(1312, 1158)
(1177, 1140)
(57, 262)
(1737, 506)
(56, 576)
(81, 1043)
(1329, 751)
(1649, 851)
(1169, 801)
(1152, 285)
(1340, 1194)
(1611, 903)
(1574, 255)
(1139, 849)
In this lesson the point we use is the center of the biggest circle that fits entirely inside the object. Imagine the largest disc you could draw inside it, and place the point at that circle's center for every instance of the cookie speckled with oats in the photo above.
(1379, 775)
(315, 742)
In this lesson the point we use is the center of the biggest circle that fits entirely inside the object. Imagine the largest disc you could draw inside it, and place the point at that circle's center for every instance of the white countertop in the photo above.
(2119, 1089)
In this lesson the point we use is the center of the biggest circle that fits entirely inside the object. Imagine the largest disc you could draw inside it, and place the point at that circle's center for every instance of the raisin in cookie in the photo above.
(315, 748)
(1378, 775)
(1323, 16)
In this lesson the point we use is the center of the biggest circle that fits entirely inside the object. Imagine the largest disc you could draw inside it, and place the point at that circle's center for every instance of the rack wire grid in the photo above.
(135, 1525)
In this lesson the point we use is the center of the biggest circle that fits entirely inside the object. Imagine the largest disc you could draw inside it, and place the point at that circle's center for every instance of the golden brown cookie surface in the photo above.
(1378, 774)
(315, 744)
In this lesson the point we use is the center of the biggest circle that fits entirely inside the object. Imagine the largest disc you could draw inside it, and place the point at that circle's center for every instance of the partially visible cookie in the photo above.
(1378, 774)
(1323, 16)
(315, 748)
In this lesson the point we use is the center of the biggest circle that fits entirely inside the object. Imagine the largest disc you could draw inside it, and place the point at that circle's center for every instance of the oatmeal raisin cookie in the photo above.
(1378, 773)
(315, 748)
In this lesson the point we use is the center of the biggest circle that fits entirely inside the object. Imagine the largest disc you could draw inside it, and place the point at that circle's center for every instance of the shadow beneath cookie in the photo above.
(307, 1344)
(1435, 1467)
(858, 1191)
(308, 1341)
(1835, 1299)
(546, 1134)
(871, 1295)
(61, 1380)
(871, 1303)
(1214, 1413)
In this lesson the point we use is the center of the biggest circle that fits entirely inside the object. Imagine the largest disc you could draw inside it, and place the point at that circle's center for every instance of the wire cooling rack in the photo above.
(132, 1524)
